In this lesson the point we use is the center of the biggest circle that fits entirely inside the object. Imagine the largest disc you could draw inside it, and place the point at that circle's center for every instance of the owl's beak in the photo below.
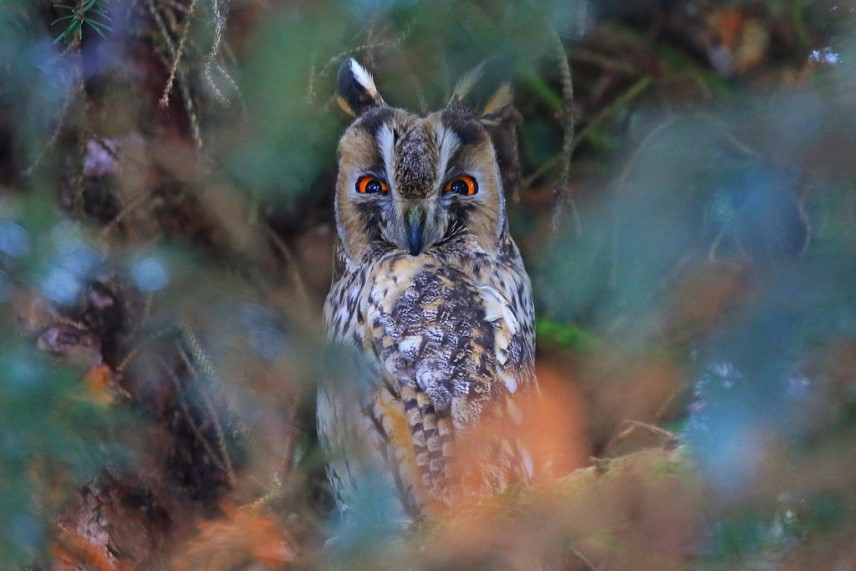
(415, 228)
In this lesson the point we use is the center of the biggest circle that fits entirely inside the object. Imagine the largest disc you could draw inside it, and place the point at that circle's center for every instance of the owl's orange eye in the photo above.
(370, 185)
(465, 186)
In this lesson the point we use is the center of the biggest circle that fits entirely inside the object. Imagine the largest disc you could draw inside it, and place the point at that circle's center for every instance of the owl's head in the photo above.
(415, 183)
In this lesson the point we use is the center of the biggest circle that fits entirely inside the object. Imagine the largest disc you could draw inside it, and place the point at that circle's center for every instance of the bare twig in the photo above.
(290, 261)
(77, 202)
(78, 90)
(131, 205)
(188, 21)
(183, 84)
(286, 466)
(334, 61)
(622, 180)
(177, 6)
(588, 564)
(671, 437)
(560, 191)
(220, 9)
(68, 322)
(137, 349)
(623, 99)
(190, 108)
(164, 32)
(201, 357)
(634, 91)
(604, 62)
(195, 428)
(274, 492)
(711, 253)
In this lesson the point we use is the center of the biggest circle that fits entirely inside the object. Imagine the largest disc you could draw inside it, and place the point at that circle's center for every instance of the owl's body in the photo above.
(430, 290)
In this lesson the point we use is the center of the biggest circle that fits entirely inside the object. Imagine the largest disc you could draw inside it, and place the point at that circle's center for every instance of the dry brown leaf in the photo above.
(242, 536)
(72, 551)
(97, 383)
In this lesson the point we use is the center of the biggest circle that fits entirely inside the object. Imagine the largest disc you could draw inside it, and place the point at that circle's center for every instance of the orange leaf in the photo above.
(242, 536)
(98, 385)
(71, 550)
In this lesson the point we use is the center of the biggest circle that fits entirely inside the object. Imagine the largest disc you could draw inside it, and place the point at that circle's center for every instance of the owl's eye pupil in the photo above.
(464, 186)
(370, 185)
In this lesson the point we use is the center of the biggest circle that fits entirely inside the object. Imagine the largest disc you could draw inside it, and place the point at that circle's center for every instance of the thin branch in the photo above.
(177, 6)
(195, 428)
(188, 21)
(605, 63)
(314, 74)
(192, 115)
(201, 357)
(164, 32)
(190, 108)
(560, 191)
(220, 8)
(623, 99)
(127, 208)
(588, 564)
(671, 437)
(290, 261)
(622, 180)
(77, 90)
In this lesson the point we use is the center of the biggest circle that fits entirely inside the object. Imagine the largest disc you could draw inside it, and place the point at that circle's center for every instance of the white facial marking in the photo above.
(386, 143)
(449, 143)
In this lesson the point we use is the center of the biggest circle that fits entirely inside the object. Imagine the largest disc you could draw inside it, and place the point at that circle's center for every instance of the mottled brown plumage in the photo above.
(432, 299)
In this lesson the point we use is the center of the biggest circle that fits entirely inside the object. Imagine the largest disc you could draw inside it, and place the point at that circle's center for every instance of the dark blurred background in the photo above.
(681, 182)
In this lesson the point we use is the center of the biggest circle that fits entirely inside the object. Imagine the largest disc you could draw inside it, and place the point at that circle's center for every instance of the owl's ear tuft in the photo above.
(465, 86)
(355, 89)
(500, 118)
(498, 104)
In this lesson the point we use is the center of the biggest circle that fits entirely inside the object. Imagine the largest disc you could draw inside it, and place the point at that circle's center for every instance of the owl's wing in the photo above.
(453, 355)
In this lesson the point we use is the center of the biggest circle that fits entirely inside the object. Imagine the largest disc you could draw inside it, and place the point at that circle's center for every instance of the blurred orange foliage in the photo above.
(243, 536)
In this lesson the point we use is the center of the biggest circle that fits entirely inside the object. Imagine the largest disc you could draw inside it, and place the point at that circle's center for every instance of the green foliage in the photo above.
(33, 83)
(53, 436)
(86, 13)
(282, 159)
(552, 333)
(723, 190)
(751, 535)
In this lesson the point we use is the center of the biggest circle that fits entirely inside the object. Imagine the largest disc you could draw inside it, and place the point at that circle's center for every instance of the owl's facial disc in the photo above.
(412, 183)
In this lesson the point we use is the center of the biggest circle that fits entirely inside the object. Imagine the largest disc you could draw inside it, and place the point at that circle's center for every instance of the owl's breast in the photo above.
(438, 327)
(450, 341)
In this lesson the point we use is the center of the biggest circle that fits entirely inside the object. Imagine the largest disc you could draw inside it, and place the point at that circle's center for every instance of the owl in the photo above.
(430, 309)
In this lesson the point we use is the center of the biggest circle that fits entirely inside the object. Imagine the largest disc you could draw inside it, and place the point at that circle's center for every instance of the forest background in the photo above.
(680, 177)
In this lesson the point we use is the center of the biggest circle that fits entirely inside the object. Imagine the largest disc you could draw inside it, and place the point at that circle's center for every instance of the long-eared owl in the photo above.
(432, 304)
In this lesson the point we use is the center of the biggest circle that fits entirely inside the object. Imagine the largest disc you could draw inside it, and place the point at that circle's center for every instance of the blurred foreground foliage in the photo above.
(165, 244)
